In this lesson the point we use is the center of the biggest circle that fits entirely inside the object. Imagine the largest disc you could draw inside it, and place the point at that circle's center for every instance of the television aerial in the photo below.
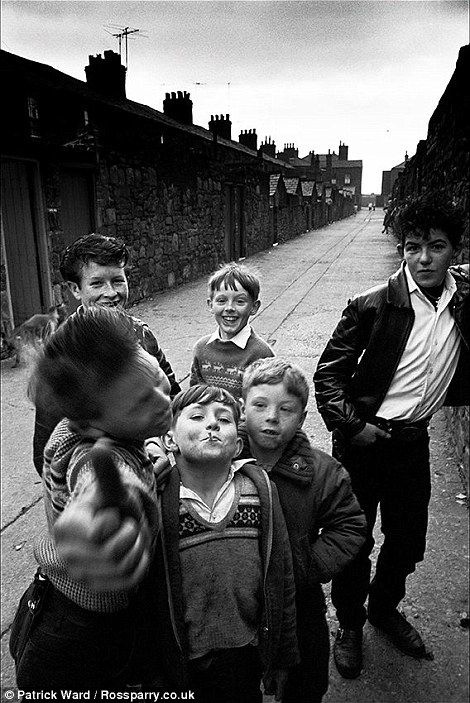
(122, 34)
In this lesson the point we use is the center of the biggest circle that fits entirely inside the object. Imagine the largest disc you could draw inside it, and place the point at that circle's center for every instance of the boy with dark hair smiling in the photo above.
(324, 521)
(94, 268)
(399, 352)
(220, 358)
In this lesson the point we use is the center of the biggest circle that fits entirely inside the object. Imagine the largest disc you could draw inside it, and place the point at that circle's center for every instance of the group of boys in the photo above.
(208, 576)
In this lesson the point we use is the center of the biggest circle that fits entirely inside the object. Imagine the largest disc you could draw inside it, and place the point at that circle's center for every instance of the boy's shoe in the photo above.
(400, 631)
(347, 652)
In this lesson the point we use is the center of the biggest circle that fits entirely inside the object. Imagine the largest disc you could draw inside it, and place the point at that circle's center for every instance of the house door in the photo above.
(234, 227)
(77, 219)
(20, 231)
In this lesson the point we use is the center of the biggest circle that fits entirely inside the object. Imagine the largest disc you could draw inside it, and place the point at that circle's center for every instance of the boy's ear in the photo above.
(242, 410)
(302, 419)
(169, 442)
(255, 307)
(239, 447)
(400, 250)
(74, 289)
(209, 303)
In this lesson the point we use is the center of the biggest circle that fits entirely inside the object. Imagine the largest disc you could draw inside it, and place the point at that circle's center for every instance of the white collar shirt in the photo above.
(223, 500)
(240, 339)
(429, 359)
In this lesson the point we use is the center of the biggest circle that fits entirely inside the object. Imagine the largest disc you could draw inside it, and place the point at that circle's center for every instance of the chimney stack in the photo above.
(249, 138)
(268, 148)
(221, 126)
(343, 152)
(179, 107)
(107, 75)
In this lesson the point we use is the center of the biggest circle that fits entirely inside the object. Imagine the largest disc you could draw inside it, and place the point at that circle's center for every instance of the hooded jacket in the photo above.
(357, 366)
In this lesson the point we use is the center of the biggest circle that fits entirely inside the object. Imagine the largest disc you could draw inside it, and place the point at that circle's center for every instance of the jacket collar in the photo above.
(397, 292)
(297, 462)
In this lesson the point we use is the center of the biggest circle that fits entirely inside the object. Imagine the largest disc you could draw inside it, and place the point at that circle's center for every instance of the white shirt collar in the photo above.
(240, 339)
(449, 283)
(235, 466)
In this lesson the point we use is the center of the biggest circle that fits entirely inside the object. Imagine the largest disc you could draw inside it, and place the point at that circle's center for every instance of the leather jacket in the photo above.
(357, 366)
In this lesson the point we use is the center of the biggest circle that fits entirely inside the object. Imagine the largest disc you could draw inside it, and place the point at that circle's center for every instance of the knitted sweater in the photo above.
(222, 363)
(276, 618)
(222, 573)
(65, 476)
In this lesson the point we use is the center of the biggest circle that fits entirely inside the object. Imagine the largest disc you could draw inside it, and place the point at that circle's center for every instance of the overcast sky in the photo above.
(310, 73)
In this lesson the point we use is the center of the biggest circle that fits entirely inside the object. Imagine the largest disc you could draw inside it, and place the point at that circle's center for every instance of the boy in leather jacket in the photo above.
(399, 352)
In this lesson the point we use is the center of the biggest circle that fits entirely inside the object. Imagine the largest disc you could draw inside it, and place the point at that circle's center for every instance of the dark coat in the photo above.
(278, 640)
(357, 366)
(326, 526)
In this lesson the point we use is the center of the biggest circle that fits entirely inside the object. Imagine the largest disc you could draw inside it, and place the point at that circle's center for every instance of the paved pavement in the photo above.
(304, 286)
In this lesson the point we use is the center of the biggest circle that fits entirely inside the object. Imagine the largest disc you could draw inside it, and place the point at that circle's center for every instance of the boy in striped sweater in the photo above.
(220, 358)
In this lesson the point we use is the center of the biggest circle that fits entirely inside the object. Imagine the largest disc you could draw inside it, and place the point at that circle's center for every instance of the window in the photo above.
(347, 179)
(33, 114)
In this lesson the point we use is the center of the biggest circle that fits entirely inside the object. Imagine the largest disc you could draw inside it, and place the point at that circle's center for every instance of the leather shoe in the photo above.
(347, 652)
(400, 631)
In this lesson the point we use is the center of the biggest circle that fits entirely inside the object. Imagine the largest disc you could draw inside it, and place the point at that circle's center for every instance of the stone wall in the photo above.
(441, 165)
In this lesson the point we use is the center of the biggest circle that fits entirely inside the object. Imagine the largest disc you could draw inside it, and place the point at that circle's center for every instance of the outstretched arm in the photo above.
(106, 533)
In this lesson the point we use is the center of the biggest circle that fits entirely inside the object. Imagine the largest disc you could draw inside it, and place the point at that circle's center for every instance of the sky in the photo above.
(311, 72)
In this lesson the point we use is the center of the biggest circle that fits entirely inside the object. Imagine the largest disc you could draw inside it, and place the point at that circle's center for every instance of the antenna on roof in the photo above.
(123, 34)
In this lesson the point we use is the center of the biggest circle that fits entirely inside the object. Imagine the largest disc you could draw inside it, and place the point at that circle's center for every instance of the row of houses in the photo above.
(79, 157)
(300, 205)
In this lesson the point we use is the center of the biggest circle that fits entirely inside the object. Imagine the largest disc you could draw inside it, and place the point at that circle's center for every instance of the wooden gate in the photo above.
(76, 212)
(26, 277)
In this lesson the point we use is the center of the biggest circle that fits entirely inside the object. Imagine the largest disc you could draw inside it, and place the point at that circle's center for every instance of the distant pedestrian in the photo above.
(399, 352)
(94, 268)
(220, 358)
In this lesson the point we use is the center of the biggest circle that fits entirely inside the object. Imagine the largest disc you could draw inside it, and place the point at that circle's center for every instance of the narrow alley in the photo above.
(305, 284)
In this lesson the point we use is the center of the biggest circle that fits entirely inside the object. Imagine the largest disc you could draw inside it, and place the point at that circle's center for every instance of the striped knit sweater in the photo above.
(222, 363)
(222, 573)
(65, 476)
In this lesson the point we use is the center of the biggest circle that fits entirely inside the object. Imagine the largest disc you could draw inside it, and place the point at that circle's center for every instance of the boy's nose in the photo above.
(425, 255)
(109, 289)
(212, 424)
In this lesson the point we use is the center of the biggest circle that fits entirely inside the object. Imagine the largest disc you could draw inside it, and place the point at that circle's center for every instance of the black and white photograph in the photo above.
(235, 378)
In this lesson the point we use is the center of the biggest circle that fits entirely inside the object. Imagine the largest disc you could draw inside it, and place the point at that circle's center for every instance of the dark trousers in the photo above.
(308, 681)
(72, 648)
(395, 474)
(227, 676)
